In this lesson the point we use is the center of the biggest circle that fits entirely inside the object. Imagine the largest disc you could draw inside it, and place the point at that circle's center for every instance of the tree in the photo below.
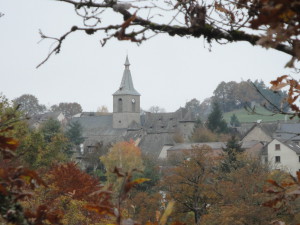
(68, 109)
(29, 104)
(203, 134)
(124, 155)
(70, 190)
(193, 106)
(226, 95)
(92, 159)
(241, 196)
(205, 108)
(156, 109)
(215, 121)
(50, 128)
(102, 110)
(16, 180)
(45, 147)
(232, 151)
(189, 183)
(234, 121)
(74, 133)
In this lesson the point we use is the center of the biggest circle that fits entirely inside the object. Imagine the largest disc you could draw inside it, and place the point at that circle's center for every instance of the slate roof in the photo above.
(99, 128)
(187, 146)
(166, 122)
(213, 145)
(267, 128)
(290, 144)
(153, 143)
(126, 87)
(288, 131)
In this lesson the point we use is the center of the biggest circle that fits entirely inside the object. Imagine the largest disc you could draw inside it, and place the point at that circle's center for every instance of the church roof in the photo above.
(126, 87)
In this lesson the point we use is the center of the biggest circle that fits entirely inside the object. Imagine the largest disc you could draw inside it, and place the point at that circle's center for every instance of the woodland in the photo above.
(39, 184)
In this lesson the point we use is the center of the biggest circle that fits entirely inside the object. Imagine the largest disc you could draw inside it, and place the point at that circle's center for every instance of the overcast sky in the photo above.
(167, 71)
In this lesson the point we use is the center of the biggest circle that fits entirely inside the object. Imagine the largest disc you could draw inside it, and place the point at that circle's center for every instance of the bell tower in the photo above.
(126, 101)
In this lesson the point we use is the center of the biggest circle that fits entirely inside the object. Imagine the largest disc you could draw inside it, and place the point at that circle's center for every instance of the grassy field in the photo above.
(262, 114)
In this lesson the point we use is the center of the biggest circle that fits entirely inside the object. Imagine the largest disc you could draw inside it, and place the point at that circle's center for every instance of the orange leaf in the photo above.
(101, 210)
(273, 182)
(139, 181)
(167, 213)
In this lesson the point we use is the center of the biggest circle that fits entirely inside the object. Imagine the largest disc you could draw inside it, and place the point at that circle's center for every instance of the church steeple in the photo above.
(126, 102)
(126, 87)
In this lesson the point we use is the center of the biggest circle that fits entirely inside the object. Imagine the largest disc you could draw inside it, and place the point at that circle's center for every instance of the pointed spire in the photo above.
(127, 61)
(126, 87)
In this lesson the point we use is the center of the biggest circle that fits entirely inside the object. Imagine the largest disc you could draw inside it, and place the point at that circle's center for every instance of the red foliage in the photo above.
(70, 180)
(16, 183)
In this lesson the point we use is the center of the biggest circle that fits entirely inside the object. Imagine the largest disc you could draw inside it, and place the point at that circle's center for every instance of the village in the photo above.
(129, 112)
(276, 143)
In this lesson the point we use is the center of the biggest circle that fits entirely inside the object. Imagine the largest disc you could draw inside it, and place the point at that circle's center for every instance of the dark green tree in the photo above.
(234, 121)
(151, 171)
(50, 128)
(232, 150)
(74, 133)
(216, 123)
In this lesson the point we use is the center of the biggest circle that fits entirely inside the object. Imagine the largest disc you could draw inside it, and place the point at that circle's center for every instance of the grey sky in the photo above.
(167, 71)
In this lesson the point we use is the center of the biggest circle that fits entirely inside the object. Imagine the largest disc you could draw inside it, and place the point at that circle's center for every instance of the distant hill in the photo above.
(244, 116)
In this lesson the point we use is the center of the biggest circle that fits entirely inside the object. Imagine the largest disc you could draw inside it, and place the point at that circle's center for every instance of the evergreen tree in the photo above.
(234, 121)
(216, 123)
(50, 128)
(74, 133)
(232, 150)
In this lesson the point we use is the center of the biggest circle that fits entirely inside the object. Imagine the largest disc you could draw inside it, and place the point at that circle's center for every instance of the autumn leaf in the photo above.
(101, 210)
(272, 203)
(167, 213)
(273, 182)
(138, 181)
(220, 8)
(8, 143)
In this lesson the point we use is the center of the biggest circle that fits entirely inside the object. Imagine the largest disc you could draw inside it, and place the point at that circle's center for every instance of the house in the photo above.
(260, 132)
(283, 155)
(36, 121)
(150, 131)
(252, 148)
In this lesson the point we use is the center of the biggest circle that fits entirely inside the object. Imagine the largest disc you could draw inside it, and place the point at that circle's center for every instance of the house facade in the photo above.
(283, 155)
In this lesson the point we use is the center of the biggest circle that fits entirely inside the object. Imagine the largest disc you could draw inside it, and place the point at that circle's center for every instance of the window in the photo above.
(299, 158)
(133, 106)
(266, 159)
(120, 105)
(277, 146)
(277, 159)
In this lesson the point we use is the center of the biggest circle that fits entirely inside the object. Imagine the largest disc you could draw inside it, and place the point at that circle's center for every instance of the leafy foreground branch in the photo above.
(268, 23)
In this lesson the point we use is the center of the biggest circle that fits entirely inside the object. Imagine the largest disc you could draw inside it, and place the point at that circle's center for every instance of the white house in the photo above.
(283, 155)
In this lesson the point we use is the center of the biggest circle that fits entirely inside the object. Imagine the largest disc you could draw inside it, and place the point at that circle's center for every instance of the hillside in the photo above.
(245, 116)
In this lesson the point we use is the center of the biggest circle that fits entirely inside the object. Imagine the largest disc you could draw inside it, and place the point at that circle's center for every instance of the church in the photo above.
(154, 133)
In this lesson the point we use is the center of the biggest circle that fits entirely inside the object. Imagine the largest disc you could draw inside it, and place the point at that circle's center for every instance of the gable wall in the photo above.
(289, 160)
(257, 134)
